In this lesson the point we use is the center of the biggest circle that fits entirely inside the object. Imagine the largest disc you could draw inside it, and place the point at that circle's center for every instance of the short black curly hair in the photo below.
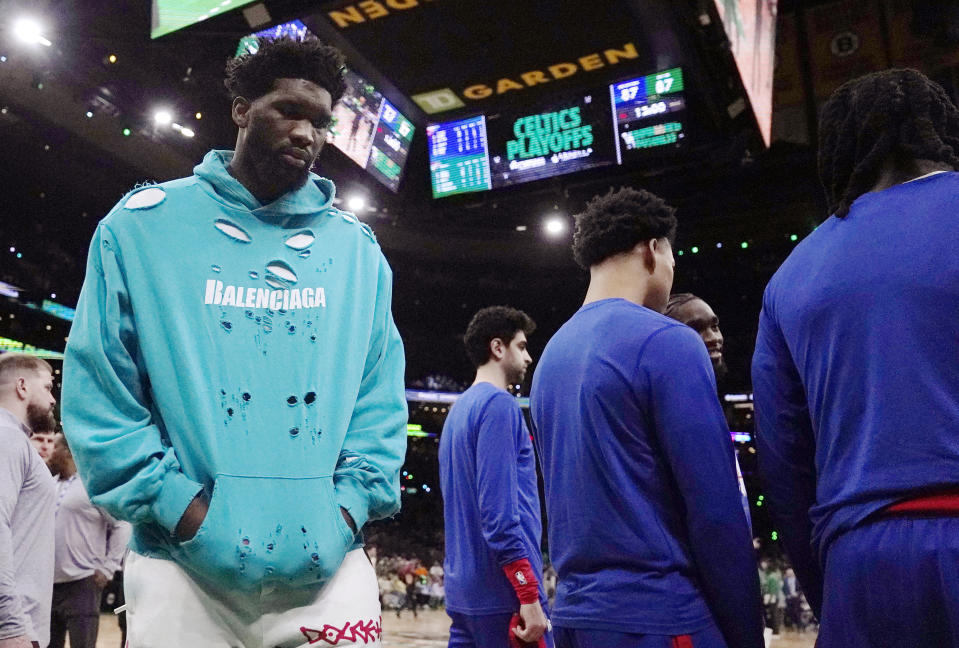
(493, 322)
(253, 75)
(894, 112)
(617, 221)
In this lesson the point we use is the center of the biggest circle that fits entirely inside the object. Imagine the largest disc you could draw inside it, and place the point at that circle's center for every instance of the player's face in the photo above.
(661, 282)
(700, 317)
(43, 442)
(287, 128)
(517, 359)
(40, 401)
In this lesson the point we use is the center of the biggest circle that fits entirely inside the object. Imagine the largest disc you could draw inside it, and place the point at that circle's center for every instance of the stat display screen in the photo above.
(459, 156)
(559, 138)
(616, 124)
(647, 113)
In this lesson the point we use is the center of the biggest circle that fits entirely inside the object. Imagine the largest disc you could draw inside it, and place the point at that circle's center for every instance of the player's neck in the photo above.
(899, 169)
(492, 374)
(616, 279)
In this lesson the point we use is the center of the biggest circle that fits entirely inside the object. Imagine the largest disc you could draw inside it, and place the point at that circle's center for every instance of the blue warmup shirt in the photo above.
(490, 501)
(856, 369)
(247, 351)
(646, 526)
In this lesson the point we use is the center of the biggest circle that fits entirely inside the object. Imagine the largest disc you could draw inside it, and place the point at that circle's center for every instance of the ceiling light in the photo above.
(555, 226)
(187, 132)
(162, 117)
(199, 115)
(112, 58)
(30, 31)
(89, 114)
(356, 203)
(520, 228)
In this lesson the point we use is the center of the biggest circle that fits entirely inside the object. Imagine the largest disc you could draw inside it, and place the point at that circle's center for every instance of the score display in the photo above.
(644, 112)
(459, 156)
(613, 126)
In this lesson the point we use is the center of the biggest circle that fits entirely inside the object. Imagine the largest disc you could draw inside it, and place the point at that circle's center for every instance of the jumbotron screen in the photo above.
(170, 15)
(559, 138)
(612, 125)
(293, 29)
(371, 131)
(645, 113)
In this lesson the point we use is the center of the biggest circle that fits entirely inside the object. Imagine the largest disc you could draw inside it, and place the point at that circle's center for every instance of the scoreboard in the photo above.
(615, 125)
(459, 156)
(644, 112)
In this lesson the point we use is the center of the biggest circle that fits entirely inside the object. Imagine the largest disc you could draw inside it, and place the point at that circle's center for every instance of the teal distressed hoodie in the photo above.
(246, 351)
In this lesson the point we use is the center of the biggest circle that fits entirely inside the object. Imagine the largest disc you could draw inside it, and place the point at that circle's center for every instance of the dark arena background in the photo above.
(470, 134)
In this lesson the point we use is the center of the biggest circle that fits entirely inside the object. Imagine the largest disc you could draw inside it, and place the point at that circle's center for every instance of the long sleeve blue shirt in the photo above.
(646, 526)
(856, 368)
(490, 500)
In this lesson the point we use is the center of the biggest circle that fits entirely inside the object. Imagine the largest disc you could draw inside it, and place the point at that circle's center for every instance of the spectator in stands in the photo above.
(27, 497)
(793, 600)
(90, 544)
(43, 441)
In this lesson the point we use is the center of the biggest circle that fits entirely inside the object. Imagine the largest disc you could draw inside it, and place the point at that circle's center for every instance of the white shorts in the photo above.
(165, 607)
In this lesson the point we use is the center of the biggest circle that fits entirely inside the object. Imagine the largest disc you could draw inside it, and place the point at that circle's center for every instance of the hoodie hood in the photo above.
(314, 197)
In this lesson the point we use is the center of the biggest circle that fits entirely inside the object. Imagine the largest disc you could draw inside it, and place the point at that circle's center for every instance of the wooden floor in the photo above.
(429, 630)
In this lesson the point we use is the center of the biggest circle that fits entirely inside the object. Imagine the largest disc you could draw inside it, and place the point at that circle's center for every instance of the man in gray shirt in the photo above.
(89, 549)
(27, 499)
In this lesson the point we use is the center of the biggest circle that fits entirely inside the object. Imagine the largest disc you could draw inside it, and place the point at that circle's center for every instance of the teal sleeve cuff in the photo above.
(176, 493)
(349, 495)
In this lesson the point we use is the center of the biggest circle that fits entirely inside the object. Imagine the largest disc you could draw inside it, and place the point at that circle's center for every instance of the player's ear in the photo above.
(497, 349)
(648, 251)
(241, 112)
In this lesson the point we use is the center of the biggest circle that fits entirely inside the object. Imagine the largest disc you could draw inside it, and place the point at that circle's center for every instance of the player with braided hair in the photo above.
(895, 117)
(856, 373)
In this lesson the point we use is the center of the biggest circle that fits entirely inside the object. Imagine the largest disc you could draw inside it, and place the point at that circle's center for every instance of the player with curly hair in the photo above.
(856, 373)
(233, 383)
(646, 527)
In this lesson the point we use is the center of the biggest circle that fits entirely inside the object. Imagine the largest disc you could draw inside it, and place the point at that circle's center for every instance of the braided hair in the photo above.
(893, 112)
(675, 301)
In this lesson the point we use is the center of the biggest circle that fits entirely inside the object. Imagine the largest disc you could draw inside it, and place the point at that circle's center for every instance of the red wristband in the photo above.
(521, 577)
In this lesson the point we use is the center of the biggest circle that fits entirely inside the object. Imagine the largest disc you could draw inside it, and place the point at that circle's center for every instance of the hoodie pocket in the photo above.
(262, 530)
